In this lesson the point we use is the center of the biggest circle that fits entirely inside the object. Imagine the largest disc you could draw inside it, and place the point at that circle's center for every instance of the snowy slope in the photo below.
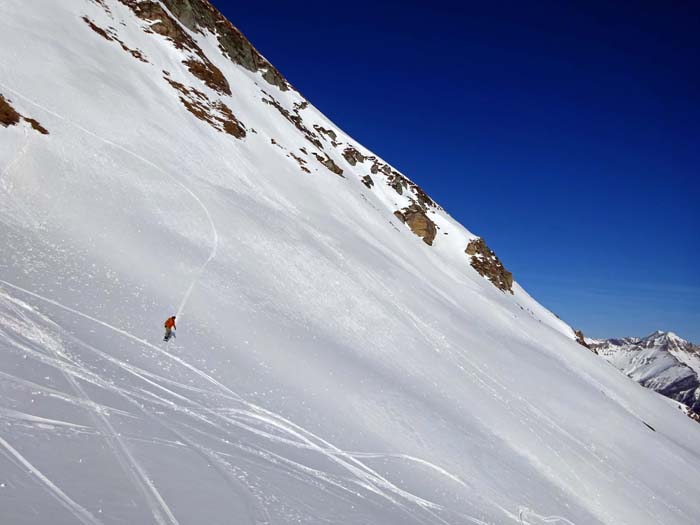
(331, 366)
(661, 361)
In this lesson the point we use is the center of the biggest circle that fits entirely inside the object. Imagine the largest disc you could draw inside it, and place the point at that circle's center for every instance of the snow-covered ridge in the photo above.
(661, 361)
(339, 358)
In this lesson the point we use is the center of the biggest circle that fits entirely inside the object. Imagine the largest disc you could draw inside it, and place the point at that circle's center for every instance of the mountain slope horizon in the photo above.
(347, 352)
(661, 361)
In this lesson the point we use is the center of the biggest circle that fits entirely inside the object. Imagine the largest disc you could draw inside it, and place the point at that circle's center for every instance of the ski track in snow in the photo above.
(302, 438)
(347, 461)
(80, 513)
(214, 231)
(524, 513)
(250, 416)
(159, 508)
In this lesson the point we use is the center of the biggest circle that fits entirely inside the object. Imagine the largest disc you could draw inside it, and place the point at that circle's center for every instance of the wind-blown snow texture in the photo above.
(330, 366)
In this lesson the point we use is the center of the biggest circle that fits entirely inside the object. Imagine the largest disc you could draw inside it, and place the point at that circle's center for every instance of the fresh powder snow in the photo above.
(335, 362)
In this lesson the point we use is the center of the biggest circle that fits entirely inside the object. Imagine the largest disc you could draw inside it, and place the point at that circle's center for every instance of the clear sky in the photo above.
(567, 134)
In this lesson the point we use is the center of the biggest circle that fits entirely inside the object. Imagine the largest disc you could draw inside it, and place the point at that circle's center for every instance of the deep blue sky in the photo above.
(566, 133)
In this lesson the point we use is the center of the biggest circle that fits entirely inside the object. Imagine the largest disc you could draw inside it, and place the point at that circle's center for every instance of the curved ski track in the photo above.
(250, 418)
(214, 231)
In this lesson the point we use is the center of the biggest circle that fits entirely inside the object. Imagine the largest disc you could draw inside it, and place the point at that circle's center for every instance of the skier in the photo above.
(169, 328)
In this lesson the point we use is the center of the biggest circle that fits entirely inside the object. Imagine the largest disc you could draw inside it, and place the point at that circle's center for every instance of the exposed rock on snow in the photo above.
(367, 181)
(329, 163)
(378, 166)
(395, 180)
(215, 113)
(10, 117)
(328, 132)
(200, 15)
(301, 162)
(110, 36)
(353, 156)
(160, 22)
(295, 118)
(485, 261)
(419, 222)
(581, 339)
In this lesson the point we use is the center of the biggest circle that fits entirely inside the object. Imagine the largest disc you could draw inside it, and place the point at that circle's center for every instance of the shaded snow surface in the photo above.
(329, 366)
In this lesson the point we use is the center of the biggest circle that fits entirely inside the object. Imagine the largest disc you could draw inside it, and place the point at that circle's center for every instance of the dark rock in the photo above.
(416, 219)
(397, 182)
(162, 23)
(353, 156)
(367, 181)
(484, 261)
(10, 117)
(113, 38)
(217, 114)
(581, 339)
(295, 119)
(332, 134)
(301, 162)
(330, 164)
(199, 15)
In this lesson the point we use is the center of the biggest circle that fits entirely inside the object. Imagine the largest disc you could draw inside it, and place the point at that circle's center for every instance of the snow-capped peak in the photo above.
(661, 361)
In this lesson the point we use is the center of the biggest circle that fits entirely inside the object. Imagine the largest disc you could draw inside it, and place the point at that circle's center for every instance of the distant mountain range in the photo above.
(661, 361)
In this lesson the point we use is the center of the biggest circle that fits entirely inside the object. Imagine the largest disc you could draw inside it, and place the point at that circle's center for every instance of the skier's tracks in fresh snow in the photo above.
(159, 508)
(81, 513)
(253, 417)
(368, 477)
(525, 513)
(157, 505)
(214, 232)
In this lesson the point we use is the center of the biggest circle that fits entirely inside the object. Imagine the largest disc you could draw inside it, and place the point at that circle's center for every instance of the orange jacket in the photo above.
(170, 322)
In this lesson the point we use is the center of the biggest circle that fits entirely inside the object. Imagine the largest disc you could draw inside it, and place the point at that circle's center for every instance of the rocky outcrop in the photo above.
(160, 22)
(353, 156)
(379, 167)
(396, 181)
(200, 15)
(295, 118)
(416, 218)
(581, 339)
(10, 117)
(301, 162)
(329, 132)
(217, 114)
(330, 164)
(367, 181)
(110, 36)
(485, 261)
